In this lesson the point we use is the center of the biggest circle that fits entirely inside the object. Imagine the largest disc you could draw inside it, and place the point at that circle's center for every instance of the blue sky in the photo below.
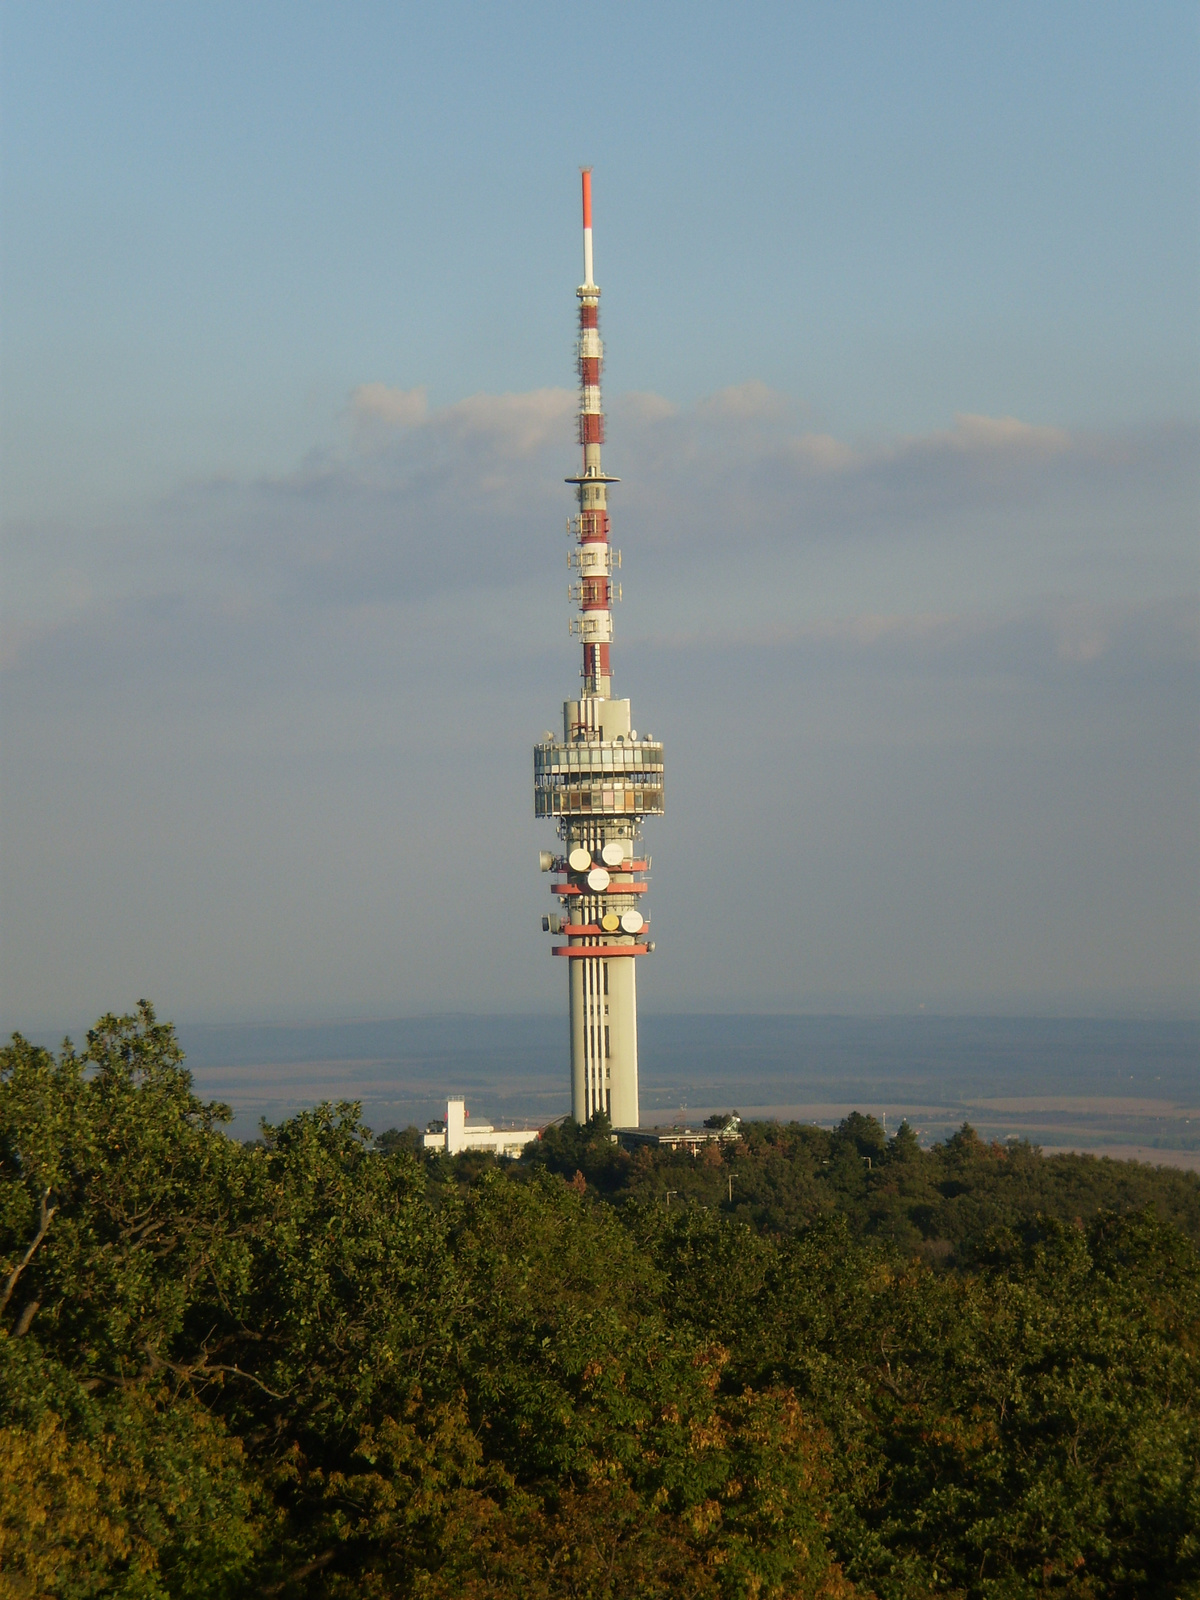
(220, 217)
(902, 334)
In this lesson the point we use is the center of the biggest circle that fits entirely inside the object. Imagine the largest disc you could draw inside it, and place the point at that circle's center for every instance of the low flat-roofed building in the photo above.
(679, 1138)
(458, 1133)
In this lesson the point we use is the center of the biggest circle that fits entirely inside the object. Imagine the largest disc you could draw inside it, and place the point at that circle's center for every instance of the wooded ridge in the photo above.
(805, 1363)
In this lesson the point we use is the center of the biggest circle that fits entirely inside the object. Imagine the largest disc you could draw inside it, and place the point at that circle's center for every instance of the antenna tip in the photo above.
(586, 174)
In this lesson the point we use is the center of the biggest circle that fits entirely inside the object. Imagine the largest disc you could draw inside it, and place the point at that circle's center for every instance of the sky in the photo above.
(902, 345)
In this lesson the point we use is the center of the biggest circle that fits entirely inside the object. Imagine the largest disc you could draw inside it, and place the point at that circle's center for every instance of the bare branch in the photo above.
(31, 1310)
(45, 1212)
(306, 1571)
(203, 1369)
(239, 1372)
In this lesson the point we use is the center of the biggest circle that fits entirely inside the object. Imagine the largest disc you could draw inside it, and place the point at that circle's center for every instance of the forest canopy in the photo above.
(804, 1363)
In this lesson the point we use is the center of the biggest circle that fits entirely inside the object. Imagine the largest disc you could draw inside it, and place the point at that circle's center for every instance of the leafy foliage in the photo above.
(938, 1203)
(325, 1366)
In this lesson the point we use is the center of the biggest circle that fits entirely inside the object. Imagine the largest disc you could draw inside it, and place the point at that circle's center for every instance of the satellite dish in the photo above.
(633, 922)
(579, 860)
(613, 853)
(610, 922)
(598, 879)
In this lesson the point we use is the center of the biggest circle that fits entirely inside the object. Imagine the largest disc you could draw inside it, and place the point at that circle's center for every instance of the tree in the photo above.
(314, 1368)
(118, 1207)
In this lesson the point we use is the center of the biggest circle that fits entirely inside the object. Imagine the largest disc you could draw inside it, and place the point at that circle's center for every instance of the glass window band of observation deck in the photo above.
(595, 758)
(553, 798)
(598, 778)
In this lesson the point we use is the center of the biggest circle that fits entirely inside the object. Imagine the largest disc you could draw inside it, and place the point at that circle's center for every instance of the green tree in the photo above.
(323, 1365)
(119, 1203)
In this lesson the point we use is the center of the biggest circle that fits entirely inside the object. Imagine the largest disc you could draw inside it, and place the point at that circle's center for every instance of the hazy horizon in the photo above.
(51, 1028)
(1124, 1088)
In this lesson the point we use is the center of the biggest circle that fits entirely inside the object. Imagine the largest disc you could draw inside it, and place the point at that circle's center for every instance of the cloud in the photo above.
(821, 452)
(1025, 642)
(752, 401)
(952, 675)
(732, 513)
(642, 408)
(395, 408)
(1083, 632)
(240, 647)
(994, 436)
(19, 637)
(745, 426)
(520, 423)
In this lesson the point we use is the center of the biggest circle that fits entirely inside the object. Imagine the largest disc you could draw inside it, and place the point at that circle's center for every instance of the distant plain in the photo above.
(1124, 1088)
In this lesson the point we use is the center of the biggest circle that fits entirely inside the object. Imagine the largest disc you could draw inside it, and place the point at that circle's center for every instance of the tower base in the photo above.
(604, 1064)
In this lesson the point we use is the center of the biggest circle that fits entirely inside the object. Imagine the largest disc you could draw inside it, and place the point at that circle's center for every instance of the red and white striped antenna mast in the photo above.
(594, 558)
(598, 781)
(586, 173)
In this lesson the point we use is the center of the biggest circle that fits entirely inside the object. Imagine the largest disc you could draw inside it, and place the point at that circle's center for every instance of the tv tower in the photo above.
(598, 781)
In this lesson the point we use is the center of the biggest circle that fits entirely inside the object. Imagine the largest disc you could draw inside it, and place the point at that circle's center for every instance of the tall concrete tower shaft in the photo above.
(598, 782)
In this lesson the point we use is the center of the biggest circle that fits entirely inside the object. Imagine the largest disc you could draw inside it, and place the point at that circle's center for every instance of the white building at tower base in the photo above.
(457, 1134)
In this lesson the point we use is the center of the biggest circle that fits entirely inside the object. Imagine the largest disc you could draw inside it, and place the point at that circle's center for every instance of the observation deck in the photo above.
(598, 778)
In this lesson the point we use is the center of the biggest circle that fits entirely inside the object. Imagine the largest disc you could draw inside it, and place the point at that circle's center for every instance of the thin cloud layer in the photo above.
(724, 508)
(513, 423)
(1133, 638)
(738, 525)
(375, 404)
(419, 500)
(278, 723)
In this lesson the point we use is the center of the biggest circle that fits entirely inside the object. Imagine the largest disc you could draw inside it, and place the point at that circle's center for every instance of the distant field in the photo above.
(1112, 1087)
(1124, 1088)
(1083, 1128)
